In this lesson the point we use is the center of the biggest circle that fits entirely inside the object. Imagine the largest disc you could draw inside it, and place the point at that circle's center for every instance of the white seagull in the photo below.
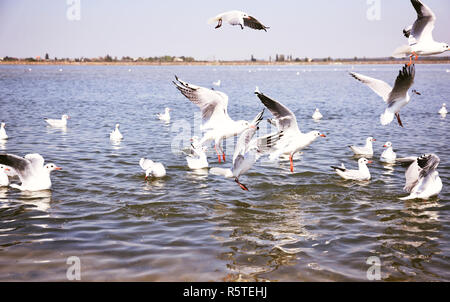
(293, 139)
(3, 134)
(395, 98)
(317, 115)
(216, 123)
(420, 35)
(164, 116)
(115, 135)
(247, 152)
(361, 174)
(4, 179)
(58, 123)
(422, 179)
(152, 169)
(237, 18)
(198, 160)
(388, 155)
(366, 150)
(31, 171)
(442, 111)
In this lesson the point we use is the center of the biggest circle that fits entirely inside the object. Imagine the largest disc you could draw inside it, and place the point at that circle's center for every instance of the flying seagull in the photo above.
(237, 18)
(216, 123)
(293, 139)
(420, 35)
(395, 98)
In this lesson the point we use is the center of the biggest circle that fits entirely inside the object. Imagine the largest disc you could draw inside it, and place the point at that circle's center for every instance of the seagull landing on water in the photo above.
(31, 171)
(361, 174)
(115, 135)
(216, 123)
(247, 152)
(422, 179)
(396, 98)
(152, 169)
(366, 150)
(293, 139)
(420, 35)
(164, 116)
(3, 134)
(198, 160)
(237, 18)
(58, 123)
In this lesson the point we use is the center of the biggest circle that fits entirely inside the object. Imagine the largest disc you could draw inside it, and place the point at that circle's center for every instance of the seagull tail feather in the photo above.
(402, 51)
(387, 117)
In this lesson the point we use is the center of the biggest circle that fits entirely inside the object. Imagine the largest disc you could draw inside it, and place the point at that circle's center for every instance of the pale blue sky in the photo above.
(318, 28)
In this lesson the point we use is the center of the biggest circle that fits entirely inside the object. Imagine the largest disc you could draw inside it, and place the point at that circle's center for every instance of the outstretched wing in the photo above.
(255, 24)
(36, 160)
(21, 165)
(404, 81)
(381, 88)
(412, 176)
(285, 117)
(422, 29)
(428, 163)
(212, 103)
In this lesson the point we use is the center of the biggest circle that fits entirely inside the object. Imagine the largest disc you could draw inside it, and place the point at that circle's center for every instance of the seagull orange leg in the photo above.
(292, 163)
(223, 157)
(218, 154)
(410, 60)
(243, 187)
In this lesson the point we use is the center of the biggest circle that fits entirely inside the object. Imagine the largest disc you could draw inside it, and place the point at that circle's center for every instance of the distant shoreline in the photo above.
(222, 63)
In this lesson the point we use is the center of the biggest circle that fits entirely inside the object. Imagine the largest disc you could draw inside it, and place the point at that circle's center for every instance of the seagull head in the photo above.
(371, 139)
(317, 134)
(387, 145)
(3, 125)
(4, 168)
(65, 117)
(117, 126)
(168, 109)
(364, 161)
(445, 47)
(416, 92)
(52, 167)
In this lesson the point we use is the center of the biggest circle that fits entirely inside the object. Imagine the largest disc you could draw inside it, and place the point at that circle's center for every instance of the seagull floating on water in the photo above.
(237, 18)
(293, 139)
(388, 155)
(247, 152)
(58, 123)
(361, 174)
(317, 115)
(198, 160)
(152, 169)
(366, 150)
(420, 35)
(31, 171)
(4, 179)
(422, 179)
(164, 116)
(216, 123)
(3, 134)
(115, 135)
(396, 98)
(442, 111)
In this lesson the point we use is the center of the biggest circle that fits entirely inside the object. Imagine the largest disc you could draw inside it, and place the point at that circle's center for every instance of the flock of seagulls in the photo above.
(286, 141)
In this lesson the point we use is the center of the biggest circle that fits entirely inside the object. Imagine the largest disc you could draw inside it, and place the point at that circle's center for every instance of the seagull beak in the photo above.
(374, 140)
(58, 168)
(146, 177)
(417, 92)
(370, 162)
(384, 146)
(252, 126)
(6, 169)
(323, 135)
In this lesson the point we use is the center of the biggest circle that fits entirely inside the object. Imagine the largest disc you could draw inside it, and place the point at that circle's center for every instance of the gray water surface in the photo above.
(190, 226)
